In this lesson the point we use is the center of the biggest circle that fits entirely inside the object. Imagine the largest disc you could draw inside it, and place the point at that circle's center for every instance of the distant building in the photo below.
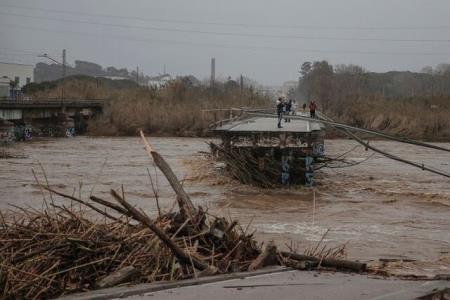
(287, 86)
(116, 77)
(4, 87)
(18, 73)
(159, 81)
(190, 80)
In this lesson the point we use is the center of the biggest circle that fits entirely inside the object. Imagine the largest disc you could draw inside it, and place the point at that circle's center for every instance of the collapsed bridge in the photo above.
(257, 152)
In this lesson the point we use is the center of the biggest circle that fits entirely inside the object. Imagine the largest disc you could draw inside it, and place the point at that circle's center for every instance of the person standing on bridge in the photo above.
(287, 111)
(280, 108)
(294, 108)
(312, 109)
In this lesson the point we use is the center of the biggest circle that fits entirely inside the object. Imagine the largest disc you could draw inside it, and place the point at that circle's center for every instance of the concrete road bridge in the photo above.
(20, 119)
(260, 153)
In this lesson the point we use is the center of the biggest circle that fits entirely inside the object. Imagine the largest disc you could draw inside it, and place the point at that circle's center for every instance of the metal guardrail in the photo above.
(8, 103)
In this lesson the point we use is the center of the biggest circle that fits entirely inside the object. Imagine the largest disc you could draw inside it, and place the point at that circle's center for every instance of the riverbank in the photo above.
(180, 107)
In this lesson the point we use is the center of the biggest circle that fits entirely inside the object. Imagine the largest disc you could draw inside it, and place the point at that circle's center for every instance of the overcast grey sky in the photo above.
(380, 35)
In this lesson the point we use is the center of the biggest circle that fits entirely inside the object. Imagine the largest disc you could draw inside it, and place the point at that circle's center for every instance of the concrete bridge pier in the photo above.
(47, 117)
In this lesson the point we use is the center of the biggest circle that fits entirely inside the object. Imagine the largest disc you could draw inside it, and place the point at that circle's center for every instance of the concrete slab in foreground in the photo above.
(280, 285)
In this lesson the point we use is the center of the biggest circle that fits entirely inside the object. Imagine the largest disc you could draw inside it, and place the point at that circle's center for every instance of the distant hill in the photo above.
(107, 83)
(51, 72)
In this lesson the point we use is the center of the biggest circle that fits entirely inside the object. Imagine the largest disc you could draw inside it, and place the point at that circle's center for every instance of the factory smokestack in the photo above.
(213, 71)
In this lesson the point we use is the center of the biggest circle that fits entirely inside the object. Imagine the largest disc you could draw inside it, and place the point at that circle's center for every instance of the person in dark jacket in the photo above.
(280, 108)
(312, 109)
(287, 111)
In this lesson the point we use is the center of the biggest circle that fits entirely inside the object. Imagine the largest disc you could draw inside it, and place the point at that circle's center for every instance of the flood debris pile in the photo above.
(63, 249)
(102, 243)
(246, 168)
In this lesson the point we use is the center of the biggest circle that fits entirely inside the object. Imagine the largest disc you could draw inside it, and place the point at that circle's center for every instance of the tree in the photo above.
(112, 71)
(442, 69)
(350, 81)
(304, 84)
(305, 68)
(427, 70)
(322, 87)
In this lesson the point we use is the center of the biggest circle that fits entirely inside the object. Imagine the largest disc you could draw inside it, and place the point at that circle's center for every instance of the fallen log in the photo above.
(184, 202)
(110, 205)
(328, 262)
(267, 258)
(120, 276)
(177, 251)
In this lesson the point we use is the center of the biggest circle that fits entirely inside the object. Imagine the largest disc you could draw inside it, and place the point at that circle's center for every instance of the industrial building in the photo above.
(4, 87)
(19, 74)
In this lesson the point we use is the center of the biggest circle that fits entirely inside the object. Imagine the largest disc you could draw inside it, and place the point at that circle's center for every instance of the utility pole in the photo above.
(63, 91)
(137, 74)
(64, 63)
(241, 85)
(213, 71)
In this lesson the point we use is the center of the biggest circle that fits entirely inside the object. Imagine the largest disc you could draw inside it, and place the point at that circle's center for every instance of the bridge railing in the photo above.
(51, 103)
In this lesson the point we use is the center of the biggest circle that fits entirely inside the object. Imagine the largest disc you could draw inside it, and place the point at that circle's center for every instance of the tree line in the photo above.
(332, 85)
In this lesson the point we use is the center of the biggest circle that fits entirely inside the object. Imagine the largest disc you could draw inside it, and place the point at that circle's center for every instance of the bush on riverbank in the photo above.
(416, 105)
(175, 109)
(419, 118)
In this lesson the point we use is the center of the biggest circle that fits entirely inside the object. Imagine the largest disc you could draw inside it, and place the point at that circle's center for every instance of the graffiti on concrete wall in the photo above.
(319, 149)
(309, 174)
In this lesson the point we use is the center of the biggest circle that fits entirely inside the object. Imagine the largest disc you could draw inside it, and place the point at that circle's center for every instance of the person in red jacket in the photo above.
(312, 109)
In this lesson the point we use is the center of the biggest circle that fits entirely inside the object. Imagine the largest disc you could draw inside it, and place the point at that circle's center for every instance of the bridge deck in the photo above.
(269, 125)
(17, 104)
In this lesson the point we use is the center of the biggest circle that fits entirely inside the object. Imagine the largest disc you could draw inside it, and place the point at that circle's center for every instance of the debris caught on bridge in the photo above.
(100, 243)
(258, 153)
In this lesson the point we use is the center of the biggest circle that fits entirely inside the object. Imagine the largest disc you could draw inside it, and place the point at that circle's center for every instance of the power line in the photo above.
(222, 33)
(8, 59)
(225, 46)
(18, 54)
(28, 51)
(176, 21)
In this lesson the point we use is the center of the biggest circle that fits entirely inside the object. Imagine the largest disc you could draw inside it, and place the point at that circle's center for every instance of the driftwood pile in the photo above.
(245, 167)
(61, 250)
(64, 249)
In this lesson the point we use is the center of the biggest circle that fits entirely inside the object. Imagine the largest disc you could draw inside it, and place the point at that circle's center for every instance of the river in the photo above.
(380, 208)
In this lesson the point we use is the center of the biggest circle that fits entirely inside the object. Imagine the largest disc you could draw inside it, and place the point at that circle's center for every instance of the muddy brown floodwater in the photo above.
(381, 208)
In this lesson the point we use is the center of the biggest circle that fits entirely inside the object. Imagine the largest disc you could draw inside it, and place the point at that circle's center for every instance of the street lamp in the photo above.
(46, 56)
(63, 64)
(12, 86)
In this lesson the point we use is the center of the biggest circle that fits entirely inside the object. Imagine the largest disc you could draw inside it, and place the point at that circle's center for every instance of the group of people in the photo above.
(286, 108)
